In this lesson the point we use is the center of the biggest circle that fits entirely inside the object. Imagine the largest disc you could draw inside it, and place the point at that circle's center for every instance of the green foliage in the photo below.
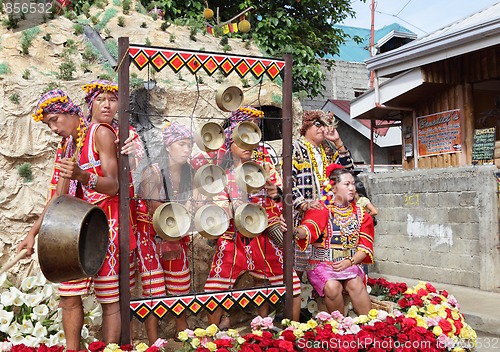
(90, 54)
(101, 4)
(94, 20)
(78, 29)
(147, 42)
(15, 98)
(171, 38)
(108, 15)
(10, 22)
(154, 16)
(4, 69)
(105, 76)
(121, 21)
(226, 48)
(164, 25)
(126, 6)
(27, 39)
(24, 171)
(192, 33)
(50, 86)
(135, 82)
(47, 37)
(144, 25)
(26, 74)
(112, 47)
(66, 70)
(303, 29)
(85, 66)
(244, 82)
(117, 2)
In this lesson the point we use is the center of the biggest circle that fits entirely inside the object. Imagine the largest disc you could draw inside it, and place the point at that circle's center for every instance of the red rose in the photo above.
(458, 325)
(445, 325)
(430, 288)
(97, 346)
(436, 300)
(444, 293)
(223, 343)
(285, 345)
(153, 349)
(55, 348)
(127, 347)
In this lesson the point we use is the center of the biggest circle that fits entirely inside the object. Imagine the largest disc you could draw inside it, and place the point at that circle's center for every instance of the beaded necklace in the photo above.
(314, 163)
(345, 219)
(82, 130)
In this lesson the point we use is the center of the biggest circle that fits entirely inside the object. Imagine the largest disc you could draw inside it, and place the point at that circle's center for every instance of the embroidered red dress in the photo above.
(336, 232)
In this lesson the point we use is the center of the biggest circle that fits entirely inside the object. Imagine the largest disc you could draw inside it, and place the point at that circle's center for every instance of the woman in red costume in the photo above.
(341, 234)
(237, 254)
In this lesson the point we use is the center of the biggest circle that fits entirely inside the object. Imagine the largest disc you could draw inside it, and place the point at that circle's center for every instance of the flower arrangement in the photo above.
(30, 314)
(425, 319)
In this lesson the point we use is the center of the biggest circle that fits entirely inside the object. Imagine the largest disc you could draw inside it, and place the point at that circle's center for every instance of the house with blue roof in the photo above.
(348, 79)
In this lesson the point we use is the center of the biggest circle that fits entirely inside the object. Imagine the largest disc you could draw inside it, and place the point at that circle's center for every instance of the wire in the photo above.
(388, 14)
(403, 7)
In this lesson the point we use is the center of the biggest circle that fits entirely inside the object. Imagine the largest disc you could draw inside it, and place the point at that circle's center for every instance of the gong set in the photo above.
(80, 230)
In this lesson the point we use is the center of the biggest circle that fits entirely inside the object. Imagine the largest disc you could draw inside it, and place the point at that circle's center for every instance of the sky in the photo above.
(419, 16)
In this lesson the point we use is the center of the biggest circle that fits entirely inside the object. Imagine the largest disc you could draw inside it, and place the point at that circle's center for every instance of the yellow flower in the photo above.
(363, 319)
(211, 346)
(421, 322)
(183, 336)
(240, 340)
(304, 327)
(199, 332)
(113, 346)
(412, 312)
(455, 315)
(298, 333)
(312, 323)
(437, 330)
(257, 332)
(141, 347)
(195, 343)
(373, 313)
(212, 330)
(232, 333)
(458, 349)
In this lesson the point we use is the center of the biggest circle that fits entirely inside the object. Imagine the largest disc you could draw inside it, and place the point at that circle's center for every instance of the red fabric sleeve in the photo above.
(366, 237)
(314, 222)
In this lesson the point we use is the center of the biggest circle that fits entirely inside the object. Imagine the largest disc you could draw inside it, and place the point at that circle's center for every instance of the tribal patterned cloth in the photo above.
(174, 132)
(93, 89)
(55, 101)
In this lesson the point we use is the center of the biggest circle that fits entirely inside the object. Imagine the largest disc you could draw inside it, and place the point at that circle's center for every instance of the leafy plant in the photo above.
(147, 42)
(90, 54)
(51, 86)
(85, 66)
(47, 37)
(78, 29)
(26, 74)
(27, 39)
(121, 21)
(144, 25)
(226, 48)
(11, 22)
(135, 82)
(171, 38)
(164, 25)
(24, 170)
(108, 15)
(192, 33)
(4, 68)
(126, 6)
(66, 71)
(14, 97)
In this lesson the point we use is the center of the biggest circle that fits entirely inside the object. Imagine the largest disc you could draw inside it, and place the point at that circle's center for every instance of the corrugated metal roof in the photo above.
(479, 30)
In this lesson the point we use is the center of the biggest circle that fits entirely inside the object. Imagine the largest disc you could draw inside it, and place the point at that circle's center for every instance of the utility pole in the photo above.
(372, 78)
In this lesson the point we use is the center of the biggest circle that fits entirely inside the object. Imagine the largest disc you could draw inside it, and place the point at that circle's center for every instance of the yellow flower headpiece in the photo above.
(97, 85)
(251, 111)
(38, 115)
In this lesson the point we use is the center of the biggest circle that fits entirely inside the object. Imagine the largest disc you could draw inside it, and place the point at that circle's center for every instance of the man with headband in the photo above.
(311, 154)
(164, 265)
(88, 160)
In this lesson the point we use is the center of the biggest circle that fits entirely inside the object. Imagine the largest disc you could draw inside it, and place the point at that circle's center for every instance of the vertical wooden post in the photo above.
(124, 179)
(286, 129)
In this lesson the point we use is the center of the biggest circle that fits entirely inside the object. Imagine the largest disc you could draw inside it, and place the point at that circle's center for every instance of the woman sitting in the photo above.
(341, 234)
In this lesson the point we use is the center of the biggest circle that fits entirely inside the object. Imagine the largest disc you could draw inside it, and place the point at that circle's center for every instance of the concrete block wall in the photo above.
(340, 83)
(438, 225)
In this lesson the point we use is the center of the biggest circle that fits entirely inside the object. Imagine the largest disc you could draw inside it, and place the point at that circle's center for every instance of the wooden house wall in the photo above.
(457, 75)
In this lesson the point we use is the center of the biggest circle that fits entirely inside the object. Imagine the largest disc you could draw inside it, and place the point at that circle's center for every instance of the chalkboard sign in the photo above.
(483, 148)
